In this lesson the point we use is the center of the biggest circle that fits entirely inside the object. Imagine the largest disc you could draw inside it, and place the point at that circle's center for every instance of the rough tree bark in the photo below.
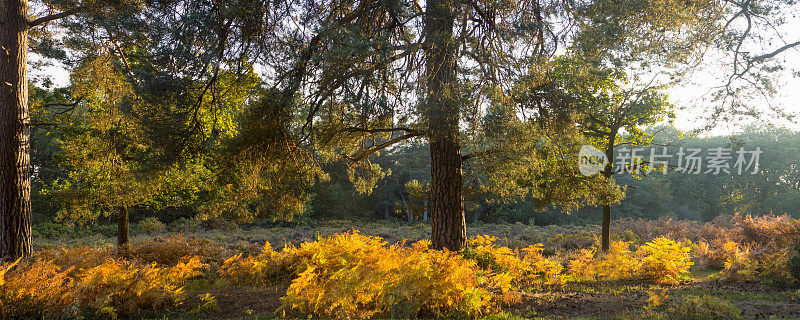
(442, 115)
(15, 179)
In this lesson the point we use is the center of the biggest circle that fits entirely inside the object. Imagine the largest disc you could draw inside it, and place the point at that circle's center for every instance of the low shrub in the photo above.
(151, 225)
(53, 230)
(186, 225)
(770, 266)
(170, 250)
(767, 230)
(218, 223)
(655, 299)
(350, 275)
(780, 231)
(354, 276)
(482, 250)
(571, 239)
(759, 249)
(775, 267)
(208, 303)
(704, 307)
(794, 261)
(714, 255)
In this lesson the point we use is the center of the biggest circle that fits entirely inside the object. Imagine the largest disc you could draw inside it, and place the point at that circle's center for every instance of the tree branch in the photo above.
(776, 52)
(366, 153)
(69, 106)
(480, 154)
(55, 16)
(376, 130)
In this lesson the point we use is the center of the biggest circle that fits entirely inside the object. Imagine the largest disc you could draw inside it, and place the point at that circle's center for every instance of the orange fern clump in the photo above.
(256, 270)
(41, 288)
(665, 261)
(662, 260)
(79, 257)
(712, 255)
(617, 263)
(34, 289)
(496, 259)
(123, 287)
(355, 276)
(506, 267)
(540, 269)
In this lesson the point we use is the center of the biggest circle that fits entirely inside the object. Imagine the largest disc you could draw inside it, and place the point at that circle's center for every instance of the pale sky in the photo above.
(694, 95)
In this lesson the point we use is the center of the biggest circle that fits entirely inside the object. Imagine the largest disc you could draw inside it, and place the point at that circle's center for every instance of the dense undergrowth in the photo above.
(353, 275)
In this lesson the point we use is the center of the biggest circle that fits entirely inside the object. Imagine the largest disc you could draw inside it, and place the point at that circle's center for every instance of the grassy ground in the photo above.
(510, 235)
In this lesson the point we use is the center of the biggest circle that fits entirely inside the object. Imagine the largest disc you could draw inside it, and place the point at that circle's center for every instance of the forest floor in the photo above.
(629, 299)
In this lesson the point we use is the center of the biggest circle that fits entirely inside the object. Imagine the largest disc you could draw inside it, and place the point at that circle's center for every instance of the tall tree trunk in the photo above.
(608, 172)
(15, 179)
(122, 228)
(442, 115)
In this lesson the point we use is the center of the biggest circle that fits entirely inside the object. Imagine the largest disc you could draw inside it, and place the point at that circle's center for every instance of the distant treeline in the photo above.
(402, 195)
(774, 189)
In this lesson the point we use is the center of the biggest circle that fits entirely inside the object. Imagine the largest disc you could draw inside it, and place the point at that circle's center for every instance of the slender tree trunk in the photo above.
(122, 227)
(15, 179)
(442, 115)
(606, 227)
(409, 212)
(608, 172)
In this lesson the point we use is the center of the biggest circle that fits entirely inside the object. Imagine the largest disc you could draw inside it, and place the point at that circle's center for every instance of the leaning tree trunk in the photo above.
(608, 172)
(15, 179)
(441, 112)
